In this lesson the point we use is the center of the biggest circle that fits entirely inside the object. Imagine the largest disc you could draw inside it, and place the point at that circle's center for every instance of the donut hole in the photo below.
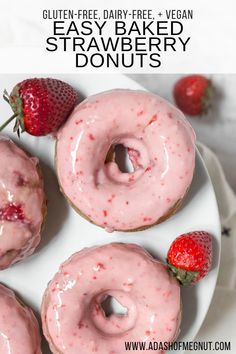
(111, 306)
(119, 154)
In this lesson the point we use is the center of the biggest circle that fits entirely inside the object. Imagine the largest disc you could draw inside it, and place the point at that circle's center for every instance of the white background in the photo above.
(22, 35)
(212, 48)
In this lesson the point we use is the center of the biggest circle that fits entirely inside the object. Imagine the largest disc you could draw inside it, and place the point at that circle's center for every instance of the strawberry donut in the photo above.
(18, 326)
(161, 146)
(72, 310)
(22, 203)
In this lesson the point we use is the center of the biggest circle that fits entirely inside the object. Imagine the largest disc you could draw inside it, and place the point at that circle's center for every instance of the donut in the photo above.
(161, 145)
(18, 326)
(22, 203)
(72, 314)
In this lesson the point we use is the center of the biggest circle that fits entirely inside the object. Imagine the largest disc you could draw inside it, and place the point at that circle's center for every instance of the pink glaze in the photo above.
(73, 319)
(19, 330)
(20, 185)
(161, 147)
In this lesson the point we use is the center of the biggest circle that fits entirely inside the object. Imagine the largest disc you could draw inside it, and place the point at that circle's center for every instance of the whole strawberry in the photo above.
(190, 256)
(193, 94)
(40, 105)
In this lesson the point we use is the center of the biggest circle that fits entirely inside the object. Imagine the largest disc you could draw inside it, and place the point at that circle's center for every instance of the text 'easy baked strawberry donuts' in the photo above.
(19, 330)
(72, 313)
(22, 203)
(161, 146)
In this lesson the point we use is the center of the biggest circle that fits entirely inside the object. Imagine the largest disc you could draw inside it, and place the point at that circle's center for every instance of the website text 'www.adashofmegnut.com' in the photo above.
(191, 346)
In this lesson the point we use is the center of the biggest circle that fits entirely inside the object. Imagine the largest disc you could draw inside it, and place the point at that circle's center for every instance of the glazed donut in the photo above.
(73, 318)
(18, 326)
(22, 203)
(161, 145)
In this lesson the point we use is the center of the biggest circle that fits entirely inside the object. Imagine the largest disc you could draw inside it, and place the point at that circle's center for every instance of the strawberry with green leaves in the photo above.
(40, 105)
(193, 94)
(190, 256)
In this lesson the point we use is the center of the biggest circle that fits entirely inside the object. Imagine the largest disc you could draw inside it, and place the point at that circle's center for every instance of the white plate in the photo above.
(66, 232)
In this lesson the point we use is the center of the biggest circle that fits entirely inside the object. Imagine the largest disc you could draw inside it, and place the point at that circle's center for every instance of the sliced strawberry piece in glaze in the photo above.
(12, 212)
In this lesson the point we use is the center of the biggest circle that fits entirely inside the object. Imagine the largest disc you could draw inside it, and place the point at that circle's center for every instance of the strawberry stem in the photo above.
(6, 96)
(8, 121)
